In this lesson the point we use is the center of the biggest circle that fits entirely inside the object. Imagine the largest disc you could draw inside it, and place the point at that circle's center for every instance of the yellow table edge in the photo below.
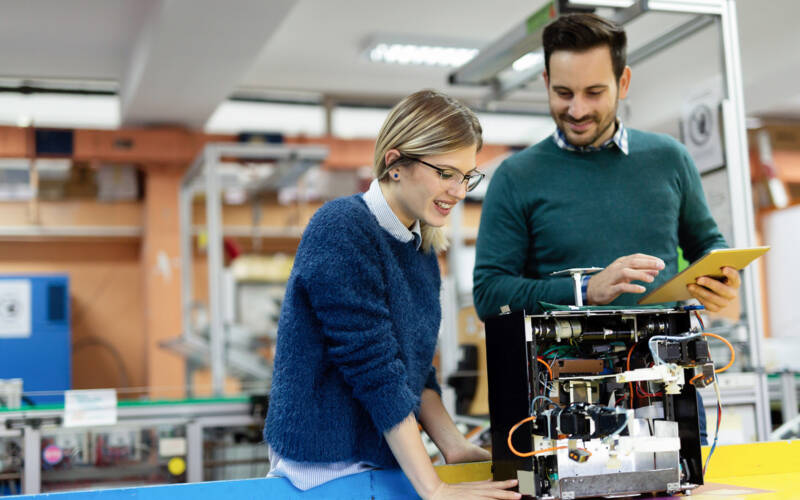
(774, 457)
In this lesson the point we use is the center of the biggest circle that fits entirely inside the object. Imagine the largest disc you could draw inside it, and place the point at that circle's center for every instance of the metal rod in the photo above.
(215, 263)
(185, 197)
(521, 39)
(674, 36)
(32, 469)
(194, 452)
(788, 396)
(738, 166)
(714, 7)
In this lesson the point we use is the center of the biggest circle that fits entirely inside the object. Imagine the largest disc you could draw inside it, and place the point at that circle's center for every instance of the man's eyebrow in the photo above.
(596, 86)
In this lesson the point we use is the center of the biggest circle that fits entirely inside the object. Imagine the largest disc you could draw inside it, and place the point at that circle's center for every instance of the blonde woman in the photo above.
(357, 332)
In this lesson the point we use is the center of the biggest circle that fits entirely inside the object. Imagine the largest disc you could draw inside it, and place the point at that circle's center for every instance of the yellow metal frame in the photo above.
(758, 471)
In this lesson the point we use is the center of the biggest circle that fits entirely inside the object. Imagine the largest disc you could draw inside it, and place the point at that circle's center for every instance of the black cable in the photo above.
(92, 340)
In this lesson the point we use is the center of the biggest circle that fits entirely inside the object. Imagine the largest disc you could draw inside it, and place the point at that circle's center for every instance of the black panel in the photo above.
(507, 371)
(53, 142)
(684, 409)
(57, 303)
(260, 138)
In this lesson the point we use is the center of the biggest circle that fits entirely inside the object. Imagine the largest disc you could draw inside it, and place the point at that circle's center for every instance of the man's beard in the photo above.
(577, 140)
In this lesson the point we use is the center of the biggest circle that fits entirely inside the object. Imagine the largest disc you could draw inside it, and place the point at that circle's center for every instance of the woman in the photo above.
(357, 331)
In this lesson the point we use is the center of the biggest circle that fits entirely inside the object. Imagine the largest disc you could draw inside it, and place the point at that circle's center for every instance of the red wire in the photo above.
(630, 385)
(646, 394)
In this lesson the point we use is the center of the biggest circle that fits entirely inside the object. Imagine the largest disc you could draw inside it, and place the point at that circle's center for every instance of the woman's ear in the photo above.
(391, 156)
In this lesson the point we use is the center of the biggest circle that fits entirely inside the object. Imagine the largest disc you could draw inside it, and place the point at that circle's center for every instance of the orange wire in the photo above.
(472, 432)
(540, 360)
(530, 453)
(691, 380)
(733, 353)
(535, 452)
(730, 363)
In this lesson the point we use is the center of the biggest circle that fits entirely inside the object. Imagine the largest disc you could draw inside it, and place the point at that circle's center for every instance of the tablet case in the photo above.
(708, 265)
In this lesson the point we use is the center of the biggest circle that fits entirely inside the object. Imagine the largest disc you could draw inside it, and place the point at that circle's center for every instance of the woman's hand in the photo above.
(466, 452)
(476, 490)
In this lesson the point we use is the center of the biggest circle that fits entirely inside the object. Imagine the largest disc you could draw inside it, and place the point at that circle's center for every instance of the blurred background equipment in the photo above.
(35, 335)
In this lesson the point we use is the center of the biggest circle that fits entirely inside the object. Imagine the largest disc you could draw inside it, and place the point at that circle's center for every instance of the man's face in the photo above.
(584, 94)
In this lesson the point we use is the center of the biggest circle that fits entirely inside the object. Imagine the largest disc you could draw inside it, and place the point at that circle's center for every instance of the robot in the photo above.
(597, 401)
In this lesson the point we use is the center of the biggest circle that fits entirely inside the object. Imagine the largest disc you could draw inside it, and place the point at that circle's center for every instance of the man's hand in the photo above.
(716, 294)
(616, 279)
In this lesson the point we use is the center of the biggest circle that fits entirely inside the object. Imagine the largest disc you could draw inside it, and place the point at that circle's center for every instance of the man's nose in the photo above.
(577, 108)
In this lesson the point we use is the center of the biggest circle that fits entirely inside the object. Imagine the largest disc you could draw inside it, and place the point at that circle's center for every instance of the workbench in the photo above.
(757, 471)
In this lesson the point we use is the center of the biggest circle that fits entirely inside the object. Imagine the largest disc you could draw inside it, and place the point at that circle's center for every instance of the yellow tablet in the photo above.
(708, 265)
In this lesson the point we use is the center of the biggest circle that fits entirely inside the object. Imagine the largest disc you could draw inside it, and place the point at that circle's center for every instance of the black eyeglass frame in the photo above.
(442, 171)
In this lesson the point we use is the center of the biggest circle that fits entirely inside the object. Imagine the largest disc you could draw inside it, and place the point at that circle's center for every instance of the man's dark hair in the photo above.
(581, 32)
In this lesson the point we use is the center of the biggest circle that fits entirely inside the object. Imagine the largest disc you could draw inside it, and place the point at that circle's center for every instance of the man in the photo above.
(593, 194)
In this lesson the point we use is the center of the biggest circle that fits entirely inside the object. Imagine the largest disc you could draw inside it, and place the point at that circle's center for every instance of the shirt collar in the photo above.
(619, 139)
(387, 219)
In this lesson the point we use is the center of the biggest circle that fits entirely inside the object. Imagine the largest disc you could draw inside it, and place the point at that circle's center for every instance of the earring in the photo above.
(396, 176)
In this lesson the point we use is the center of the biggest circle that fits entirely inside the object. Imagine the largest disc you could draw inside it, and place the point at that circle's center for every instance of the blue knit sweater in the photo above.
(356, 338)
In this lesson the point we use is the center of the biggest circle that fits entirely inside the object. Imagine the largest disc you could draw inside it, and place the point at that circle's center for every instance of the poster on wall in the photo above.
(701, 127)
(15, 308)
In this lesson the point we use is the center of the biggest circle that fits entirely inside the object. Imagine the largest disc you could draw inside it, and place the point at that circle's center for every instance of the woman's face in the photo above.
(419, 192)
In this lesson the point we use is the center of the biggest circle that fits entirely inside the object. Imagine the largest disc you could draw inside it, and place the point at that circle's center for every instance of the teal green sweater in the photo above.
(549, 209)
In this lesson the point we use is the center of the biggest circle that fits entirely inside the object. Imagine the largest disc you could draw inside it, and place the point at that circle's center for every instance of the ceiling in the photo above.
(175, 61)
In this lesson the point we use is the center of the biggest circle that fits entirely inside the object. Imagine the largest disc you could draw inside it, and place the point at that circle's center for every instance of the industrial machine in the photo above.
(152, 442)
(597, 401)
(35, 337)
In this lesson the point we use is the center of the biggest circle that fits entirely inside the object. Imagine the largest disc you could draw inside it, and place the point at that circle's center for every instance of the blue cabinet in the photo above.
(35, 337)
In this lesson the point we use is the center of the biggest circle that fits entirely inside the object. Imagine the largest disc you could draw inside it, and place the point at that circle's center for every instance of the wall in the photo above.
(105, 289)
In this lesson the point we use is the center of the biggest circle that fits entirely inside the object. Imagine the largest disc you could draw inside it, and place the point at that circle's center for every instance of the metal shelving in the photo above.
(205, 178)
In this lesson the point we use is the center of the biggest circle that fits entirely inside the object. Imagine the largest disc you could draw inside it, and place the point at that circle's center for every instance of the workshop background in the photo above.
(159, 160)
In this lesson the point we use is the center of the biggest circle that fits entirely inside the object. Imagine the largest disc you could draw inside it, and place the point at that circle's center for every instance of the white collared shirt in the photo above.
(377, 204)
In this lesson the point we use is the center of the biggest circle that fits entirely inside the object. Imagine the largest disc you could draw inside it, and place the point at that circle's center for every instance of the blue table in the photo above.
(383, 484)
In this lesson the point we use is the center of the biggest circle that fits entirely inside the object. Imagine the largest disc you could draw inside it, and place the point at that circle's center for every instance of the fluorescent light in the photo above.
(614, 4)
(357, 123)
(528, 61)
(233, 117)
(59, 110)
(428, 55)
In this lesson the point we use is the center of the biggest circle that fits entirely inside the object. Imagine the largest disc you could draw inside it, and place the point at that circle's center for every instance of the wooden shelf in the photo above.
(92, 233)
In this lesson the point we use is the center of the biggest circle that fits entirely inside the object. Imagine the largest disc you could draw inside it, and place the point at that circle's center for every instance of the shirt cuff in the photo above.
(584, 286)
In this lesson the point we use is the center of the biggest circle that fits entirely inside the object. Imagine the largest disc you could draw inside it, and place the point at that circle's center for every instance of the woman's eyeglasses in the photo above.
(453, 176)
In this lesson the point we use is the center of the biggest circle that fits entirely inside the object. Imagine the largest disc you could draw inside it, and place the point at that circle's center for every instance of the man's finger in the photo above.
(709, 299)
(646, 262)
(628, 288)
(733, 277)
(717, 287)
(635, 275)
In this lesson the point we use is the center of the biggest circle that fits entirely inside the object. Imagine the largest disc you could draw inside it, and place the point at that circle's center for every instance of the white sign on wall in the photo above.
(701, 128)
(90, 407)
(15, 308)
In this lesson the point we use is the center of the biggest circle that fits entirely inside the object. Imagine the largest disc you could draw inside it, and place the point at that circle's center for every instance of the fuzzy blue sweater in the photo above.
(356, 338)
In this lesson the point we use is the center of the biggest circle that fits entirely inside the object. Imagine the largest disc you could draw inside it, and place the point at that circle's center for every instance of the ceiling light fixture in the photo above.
(527, 61)
(428, 55)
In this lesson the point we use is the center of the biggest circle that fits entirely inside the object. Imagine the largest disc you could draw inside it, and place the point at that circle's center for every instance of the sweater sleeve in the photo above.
(697, 231)
(346, 287)
(431, 382)
(502, 250)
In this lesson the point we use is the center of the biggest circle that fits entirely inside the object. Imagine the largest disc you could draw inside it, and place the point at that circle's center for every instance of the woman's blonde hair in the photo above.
(426, 123)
